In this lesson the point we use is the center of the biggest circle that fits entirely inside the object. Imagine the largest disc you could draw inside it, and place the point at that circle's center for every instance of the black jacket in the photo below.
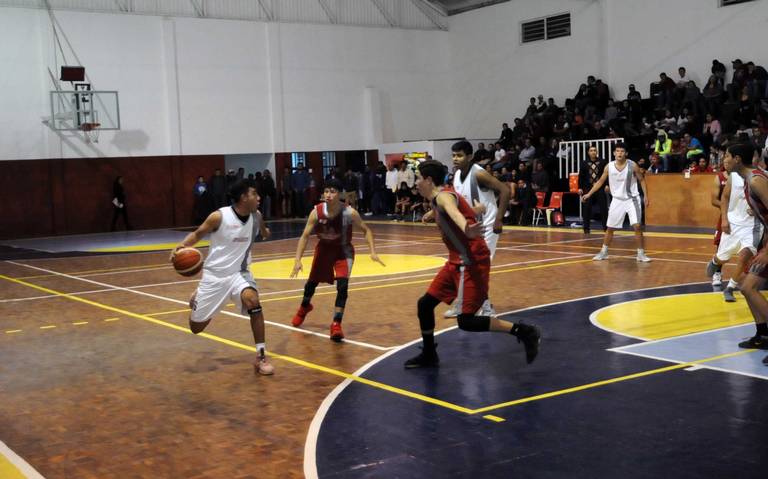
(584, 179)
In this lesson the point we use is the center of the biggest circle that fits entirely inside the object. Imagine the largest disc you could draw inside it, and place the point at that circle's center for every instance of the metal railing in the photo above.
(572, 153)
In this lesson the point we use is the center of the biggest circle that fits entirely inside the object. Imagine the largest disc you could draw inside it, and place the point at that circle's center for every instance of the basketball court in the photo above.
(102, 378)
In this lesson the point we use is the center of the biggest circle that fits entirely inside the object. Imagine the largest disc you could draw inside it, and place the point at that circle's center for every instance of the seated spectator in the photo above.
(506, 138)
(524, 172)
(703, 166)
(718, 71)
(498, 153)
(655, 167)
(663, 149)
(716, 154)
(540, 178)
(663, 91)
(403, 201)
(713, 95)
(480, 152)
(712, 130)
(528, 152)
(757, 79)
(611, 112)
(693, 146)
(561, 127)
(531, 111)
(552, 109)
(669, 122)
(525, 201)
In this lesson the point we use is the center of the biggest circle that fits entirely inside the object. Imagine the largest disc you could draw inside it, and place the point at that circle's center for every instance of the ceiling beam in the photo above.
(199, 6)
(384, 13)
(328, 12)
(431, 13)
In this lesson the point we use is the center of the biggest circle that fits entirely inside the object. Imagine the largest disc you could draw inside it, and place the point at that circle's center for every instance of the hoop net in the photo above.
(90, 132)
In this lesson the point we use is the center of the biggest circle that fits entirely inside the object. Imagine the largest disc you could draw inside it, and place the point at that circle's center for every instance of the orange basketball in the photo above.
(188, 261)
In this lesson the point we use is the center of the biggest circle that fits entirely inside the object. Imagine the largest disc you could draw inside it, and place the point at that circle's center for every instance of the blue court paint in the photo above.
(704, 423)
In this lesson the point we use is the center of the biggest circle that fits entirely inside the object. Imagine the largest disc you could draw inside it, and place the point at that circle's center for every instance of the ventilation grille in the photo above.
(547, 28)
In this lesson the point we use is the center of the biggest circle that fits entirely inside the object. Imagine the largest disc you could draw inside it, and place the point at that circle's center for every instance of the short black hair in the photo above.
(463, 146)
(239, 188)
(334, 184)
(745, 151)
(620, 145)
(433, 169)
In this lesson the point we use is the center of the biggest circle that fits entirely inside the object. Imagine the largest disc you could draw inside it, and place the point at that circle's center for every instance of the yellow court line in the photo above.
(235, 344)
(79, 323)
(111, 319)
(50, 326)
(8, 470)
(607, 381)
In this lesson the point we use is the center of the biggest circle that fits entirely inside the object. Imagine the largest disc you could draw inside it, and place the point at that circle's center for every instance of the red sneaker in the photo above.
(336, 333)
(301, 315)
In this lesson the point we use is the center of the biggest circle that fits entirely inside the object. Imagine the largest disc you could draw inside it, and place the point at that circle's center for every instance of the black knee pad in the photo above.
(342, 285)
(470, 322)
(255, 310)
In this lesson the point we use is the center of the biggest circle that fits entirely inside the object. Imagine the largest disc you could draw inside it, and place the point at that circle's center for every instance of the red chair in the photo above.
(539, 208)
(555, 203)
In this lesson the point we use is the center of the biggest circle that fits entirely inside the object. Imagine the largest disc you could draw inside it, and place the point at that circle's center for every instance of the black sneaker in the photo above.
(530, 337)
(423, 360)
(755, 342)
(765, 360)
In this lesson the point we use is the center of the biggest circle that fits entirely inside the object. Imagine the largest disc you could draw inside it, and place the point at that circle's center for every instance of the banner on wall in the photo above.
(413, 158)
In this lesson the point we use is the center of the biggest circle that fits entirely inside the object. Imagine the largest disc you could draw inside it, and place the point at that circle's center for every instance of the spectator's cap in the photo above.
(631, 86)
(737, 61)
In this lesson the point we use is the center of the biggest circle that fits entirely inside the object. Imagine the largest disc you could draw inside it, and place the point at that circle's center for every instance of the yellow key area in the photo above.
(670, 316)
(8, 470)
(364, 266)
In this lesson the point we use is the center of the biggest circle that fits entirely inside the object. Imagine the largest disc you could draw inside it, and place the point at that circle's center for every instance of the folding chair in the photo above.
(539, 208)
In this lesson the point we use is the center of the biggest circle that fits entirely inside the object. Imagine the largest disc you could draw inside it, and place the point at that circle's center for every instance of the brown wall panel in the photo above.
(677, 201)
(185, 170)
(25, 199)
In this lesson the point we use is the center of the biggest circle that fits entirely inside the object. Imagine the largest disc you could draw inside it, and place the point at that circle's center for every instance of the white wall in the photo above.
(191, 86)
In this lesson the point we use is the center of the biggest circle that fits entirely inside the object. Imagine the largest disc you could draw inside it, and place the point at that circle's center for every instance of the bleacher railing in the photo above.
(572, 153)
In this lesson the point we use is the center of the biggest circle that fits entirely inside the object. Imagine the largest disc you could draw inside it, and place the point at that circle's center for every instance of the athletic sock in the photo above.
(261, 347)
(640, 251)
(732, 284)
(604, 249)
(337, 316)
(762, 329)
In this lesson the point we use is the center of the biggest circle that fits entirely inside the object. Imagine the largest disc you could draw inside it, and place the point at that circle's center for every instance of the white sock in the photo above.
(261, 348)
(640, 251)
(733, 284)
(604, 249)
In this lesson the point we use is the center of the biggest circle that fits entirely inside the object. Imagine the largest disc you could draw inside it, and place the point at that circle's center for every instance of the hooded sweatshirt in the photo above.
(662, 147)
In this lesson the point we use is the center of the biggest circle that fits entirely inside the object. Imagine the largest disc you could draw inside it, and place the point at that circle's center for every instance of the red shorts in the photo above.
(331, 263)
(468, 285)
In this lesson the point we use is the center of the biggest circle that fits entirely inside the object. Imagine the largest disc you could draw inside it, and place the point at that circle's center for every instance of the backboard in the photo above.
(71, 110)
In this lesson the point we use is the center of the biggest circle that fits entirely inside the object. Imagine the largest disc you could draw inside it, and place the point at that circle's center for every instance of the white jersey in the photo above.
(737, 204)
(471, 190)
(623, 183)
(230, 250)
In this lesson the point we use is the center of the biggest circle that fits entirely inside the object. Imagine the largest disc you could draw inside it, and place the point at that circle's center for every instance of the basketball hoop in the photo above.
(90, 132)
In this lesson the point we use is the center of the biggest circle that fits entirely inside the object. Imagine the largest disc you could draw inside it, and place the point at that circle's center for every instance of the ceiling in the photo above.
(453, 7)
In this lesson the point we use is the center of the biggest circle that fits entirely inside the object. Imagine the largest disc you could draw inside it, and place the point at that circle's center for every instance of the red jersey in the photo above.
(461, 249)
(336, 231)
(754, 201)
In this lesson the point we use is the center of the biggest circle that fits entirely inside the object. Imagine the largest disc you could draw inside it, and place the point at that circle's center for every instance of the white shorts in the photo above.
(740, 237)
(491, 239)
(620, 208)
(213, 293)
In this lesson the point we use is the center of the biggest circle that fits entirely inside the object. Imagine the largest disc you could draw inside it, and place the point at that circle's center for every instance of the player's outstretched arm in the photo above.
(263, 230)
(449, 204)
(759, 186)
(358, 221)
(311, 222)
(598, 185)
(725, 226)
(211, 223)
(641, 178)
(714, 195)
(487, 180)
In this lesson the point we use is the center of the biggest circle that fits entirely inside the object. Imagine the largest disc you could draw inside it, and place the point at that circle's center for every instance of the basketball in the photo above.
(188, 261)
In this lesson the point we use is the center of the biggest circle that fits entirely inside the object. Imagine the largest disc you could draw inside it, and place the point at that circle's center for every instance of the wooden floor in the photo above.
(100, 378)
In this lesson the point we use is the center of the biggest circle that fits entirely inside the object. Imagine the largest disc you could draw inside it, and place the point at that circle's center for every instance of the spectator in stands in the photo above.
(531, 111)
(499, 152)
(713, 95)
(481, 153)
(669, 122)
(711, 131)
(552, 109)
(202, 205)
(403, 201)
(299, 185)
(268, 194)
(633, 94)
(561, 129)
(757, 79)
(746, 106)
(681, 83)
(524, 172)
(703, 166)
(663, 149)
(218, 185)
(351, 185)
(718, 71)
(286, 197)
(525, 201)
(590, 172)
(230, 179)
(506, 138)
(540, 179)
(528, 152)
(405, 174)
(392, 186)
(655, 167)
(379, 189)
(611, 112)
(119, 207)
(716, 154)
(663, 91)
(738, 80)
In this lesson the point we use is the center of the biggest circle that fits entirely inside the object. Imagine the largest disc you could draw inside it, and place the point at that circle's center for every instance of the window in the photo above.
(297, 158)
(555, 26)
(726, 3)
(329, 161)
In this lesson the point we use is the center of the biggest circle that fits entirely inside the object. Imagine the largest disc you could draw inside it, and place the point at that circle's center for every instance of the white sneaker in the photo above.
(642, 258)
(717, 279)
(451, 313)
(487, 309)
(600, 256)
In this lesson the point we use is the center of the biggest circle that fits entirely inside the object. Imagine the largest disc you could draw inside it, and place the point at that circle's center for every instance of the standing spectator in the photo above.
(286, 197)
(633, 94)
(713, 95)
(351, 185)
(366, 192)
(268, 194)
(663, 91)
(218, 185)
(391, 183)
(299, 185)
(230, 179)
(118, 203)
(506, 137)
(202, 201)
(711, 131)
(590, 172)
(718, 71)
(405, 174)
(379, 189)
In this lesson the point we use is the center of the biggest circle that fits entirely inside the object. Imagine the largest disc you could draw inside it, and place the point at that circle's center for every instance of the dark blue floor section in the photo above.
(676, 424)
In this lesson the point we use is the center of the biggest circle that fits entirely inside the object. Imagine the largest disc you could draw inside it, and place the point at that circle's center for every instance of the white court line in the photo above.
(185, 303)
(310, 445)
(20, 464)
